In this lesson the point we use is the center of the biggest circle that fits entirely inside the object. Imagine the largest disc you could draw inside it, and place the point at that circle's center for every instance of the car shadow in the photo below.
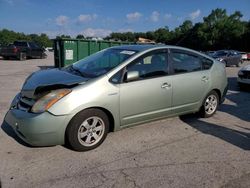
(11, 133)
(233, 85)
(14, 59)
(237, 138)
(237, 107)
(238, 101)
(45, 67)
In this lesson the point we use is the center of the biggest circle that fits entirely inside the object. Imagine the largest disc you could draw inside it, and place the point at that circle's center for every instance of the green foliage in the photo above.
(217, 31)
(80, 37)
(8, 37)
(63, 36)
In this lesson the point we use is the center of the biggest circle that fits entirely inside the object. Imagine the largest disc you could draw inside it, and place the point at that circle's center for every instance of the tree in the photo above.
(80, 36)
(162, 35)
(217, 31)
(63, 36)
(8, 37)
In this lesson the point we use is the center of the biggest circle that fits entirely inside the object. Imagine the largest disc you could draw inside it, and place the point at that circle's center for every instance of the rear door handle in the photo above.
(204, 78)
(166, 85)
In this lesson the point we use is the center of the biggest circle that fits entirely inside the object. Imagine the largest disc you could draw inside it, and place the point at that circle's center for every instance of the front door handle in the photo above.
(166, 85)
(204, 79)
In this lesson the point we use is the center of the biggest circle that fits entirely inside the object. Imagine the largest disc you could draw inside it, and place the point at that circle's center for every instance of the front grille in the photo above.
(25, 104)
(246, 75)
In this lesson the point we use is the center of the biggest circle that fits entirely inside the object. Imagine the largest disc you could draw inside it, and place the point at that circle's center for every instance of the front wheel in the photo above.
(210, 105)
(238, 64)
(22, 56)
(87, 130)
(43, 56)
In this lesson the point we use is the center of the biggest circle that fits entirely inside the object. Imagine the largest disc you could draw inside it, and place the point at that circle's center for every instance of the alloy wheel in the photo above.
(91, 131)
(211, 104)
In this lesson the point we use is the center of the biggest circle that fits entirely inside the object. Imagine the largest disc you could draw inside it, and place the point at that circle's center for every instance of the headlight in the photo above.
(48, 100)
(240, 73)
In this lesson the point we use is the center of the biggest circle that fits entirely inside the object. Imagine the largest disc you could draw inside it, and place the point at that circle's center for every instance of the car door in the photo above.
(189, 82)
(230, 58)
(34, 50)
(236, 57)
(149, 96)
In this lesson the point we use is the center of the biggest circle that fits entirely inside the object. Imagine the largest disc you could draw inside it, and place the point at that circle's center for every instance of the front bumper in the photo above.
(38, 129)
(243, 81)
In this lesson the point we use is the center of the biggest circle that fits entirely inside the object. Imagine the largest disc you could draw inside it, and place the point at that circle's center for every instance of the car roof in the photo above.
(138, 48)
(143, 47)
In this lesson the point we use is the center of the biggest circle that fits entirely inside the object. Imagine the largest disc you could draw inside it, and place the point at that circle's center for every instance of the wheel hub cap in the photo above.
(211, 104)
(91, 131)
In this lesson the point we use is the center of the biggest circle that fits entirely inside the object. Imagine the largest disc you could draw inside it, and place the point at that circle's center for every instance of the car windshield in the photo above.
(102, 62)
(220, 53)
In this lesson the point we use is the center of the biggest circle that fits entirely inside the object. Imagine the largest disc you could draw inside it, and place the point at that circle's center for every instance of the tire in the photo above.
(82, 128)
(238, 64)
(210, 105)
(43, 56)
(22, 56)
(241, 86)
(6, 58)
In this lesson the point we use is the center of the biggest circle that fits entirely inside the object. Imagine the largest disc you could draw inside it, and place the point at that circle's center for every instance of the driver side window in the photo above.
(149, 66)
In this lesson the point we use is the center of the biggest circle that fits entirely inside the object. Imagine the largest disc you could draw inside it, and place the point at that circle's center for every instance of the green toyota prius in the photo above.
(115, 88)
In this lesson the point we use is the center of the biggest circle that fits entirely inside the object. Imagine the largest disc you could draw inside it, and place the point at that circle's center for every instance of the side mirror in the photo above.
(132, 76)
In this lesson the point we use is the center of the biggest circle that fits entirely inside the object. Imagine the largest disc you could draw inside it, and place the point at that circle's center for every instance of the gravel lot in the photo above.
(176, 152)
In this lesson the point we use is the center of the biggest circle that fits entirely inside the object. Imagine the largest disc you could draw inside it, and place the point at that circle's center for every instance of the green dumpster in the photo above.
(68, 51)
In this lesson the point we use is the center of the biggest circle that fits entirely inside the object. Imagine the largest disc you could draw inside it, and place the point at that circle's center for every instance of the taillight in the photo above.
(15, 50)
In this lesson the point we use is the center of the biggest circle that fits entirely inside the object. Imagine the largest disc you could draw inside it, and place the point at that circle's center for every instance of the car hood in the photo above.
(245, 68)
(49, 78)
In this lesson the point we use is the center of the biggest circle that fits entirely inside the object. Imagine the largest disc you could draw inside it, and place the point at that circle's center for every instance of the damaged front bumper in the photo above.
(43, 129)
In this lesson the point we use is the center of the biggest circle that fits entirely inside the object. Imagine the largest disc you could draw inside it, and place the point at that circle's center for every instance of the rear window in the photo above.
(24, 44)
(206, 63)
(221, 53)
(183, 63)
(33, 45)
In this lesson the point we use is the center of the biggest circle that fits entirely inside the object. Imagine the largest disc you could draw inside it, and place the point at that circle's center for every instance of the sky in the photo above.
(98, 18)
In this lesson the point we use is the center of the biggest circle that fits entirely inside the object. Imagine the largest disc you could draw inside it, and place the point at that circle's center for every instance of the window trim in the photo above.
(171, 69)
(202, 66)
(123, 69)
(155, 51)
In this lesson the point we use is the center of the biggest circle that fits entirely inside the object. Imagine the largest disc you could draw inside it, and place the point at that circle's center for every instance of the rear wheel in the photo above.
(243, 87)
(87, 130)
(210, 105)
(238, 64)
(22, 56)
(6, 57)
(43, 56)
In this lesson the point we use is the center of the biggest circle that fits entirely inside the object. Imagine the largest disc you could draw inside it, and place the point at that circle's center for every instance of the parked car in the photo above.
(228, 57)
(22, 50)
(248, 56)
(113, 89)
(243, 56)
(209, 53)
(244, 77)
